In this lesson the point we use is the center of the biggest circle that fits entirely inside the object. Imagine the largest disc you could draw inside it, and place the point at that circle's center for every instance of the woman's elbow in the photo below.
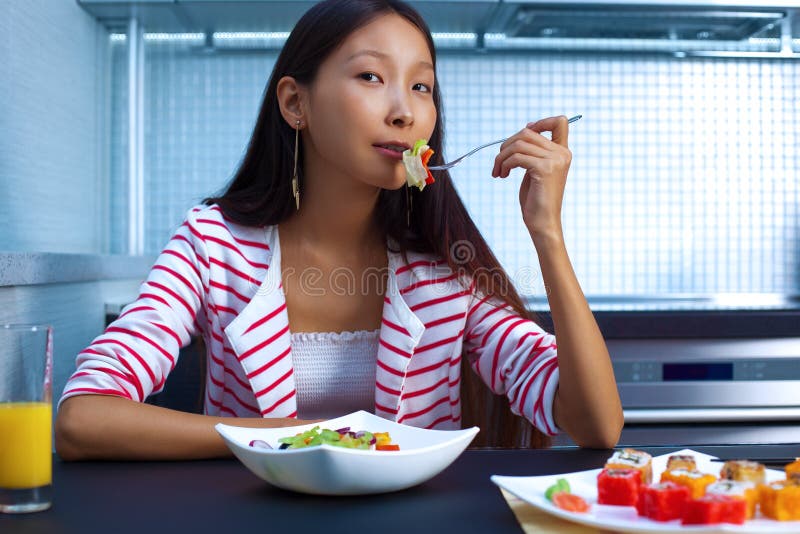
(67, 433)
(605, 437)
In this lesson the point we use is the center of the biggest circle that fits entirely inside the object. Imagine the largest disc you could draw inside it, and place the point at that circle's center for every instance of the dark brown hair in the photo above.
(260, 194)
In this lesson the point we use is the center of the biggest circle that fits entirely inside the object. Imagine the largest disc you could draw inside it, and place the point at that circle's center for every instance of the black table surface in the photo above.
(223, 496)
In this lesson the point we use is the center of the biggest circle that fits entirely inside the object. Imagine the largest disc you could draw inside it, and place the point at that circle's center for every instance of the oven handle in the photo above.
(710, 415)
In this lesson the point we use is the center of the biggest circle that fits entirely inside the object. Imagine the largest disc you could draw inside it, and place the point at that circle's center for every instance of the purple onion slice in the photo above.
(260, 444)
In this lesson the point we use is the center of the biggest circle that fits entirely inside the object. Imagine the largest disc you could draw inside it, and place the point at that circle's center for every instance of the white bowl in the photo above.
(329, 470)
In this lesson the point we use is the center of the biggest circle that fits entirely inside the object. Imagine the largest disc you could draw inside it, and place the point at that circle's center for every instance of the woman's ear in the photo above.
(291, 100)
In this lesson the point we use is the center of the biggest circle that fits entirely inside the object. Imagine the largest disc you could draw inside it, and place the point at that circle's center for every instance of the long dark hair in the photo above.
(260, 194)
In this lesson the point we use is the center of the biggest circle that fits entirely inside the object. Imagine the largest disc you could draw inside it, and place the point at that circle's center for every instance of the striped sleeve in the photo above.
(134, 355)
(515, 357)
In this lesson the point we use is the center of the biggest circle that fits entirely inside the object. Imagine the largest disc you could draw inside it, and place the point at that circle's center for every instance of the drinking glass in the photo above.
(26, 364)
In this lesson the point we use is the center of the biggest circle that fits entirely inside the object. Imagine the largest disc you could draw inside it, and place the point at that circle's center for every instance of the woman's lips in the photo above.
(388, 152)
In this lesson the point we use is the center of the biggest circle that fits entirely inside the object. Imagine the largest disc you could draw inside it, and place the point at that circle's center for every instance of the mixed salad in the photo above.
(416, 160)
(343, 437)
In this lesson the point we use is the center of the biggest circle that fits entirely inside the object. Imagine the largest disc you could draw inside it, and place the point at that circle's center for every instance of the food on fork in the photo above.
(416, 160)
(743, 471)
(632, 459)
(710, 509)
(695, 480)
(681, 461)
(663, 501)
(780, 500)
(742, 490)
(619, 487)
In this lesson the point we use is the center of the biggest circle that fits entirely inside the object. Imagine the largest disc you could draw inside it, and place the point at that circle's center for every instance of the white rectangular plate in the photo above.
(625, 518)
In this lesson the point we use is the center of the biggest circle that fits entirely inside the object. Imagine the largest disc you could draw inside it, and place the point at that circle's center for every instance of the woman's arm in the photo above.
(102, 414)
(586, 404)
(104, 427)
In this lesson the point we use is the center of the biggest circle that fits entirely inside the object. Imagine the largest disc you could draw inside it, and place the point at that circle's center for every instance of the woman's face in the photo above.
(371, 99)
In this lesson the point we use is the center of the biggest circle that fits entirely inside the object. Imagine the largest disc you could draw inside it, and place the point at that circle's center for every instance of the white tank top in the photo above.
(334, 372)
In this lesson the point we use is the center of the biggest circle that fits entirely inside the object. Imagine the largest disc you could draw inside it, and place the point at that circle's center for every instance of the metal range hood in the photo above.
(769, 28)
(529, 21)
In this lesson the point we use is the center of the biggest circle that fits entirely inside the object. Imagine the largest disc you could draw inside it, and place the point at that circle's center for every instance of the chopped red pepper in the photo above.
(425, 159)
(387, 447)
(664, 501)
(618, 487)
(711, 509)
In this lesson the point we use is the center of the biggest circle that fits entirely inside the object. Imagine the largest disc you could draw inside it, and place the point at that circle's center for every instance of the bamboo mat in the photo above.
(532, 520)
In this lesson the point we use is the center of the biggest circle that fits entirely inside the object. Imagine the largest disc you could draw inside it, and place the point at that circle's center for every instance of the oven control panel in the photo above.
(697, 374)
(677, 371)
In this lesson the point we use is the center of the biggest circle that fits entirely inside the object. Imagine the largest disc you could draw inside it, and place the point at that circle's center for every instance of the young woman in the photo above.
(321, 284)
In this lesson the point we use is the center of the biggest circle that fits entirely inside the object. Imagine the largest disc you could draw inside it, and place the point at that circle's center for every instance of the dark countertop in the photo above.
(223, 496)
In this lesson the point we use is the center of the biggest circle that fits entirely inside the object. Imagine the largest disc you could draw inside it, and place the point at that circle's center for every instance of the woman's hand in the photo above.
(587, 404)
(546, 163)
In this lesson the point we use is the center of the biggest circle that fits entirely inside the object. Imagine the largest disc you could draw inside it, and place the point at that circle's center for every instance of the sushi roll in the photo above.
(681, 461)
(746, 491)
(780, 500)
(618, 487)
(793, 470)
(632, 459)
(662, 502)
(743, 471)
(711, 509)
(695, 480)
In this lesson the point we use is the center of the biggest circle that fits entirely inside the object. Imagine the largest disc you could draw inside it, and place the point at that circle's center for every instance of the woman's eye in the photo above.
(422, 87)
(369, 77)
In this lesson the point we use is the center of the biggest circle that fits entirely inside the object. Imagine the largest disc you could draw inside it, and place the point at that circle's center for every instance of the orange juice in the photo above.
(25, 445)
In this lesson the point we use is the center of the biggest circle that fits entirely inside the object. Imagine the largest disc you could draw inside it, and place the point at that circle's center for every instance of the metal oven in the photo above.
(704, 376)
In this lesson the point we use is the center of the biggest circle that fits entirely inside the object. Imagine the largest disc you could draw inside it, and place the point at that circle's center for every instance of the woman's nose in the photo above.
(400, 113)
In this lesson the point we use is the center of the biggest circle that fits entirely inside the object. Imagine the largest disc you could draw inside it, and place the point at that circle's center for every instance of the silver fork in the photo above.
(471, 152)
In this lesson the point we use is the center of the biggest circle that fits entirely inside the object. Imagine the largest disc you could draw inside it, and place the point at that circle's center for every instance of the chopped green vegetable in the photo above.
(418, 146)
(560, 486)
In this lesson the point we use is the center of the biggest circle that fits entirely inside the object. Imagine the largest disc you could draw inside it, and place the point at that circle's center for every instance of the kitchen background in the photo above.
(683, 200)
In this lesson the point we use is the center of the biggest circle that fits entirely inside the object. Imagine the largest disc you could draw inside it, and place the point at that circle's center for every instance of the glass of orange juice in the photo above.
(26, 408)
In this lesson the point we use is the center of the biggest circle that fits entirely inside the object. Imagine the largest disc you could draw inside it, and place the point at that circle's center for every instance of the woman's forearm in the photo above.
(97, 427)
(587, 404)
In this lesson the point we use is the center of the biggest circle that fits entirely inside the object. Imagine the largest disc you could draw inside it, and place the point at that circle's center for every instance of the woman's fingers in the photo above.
(549, 151)
(533, 165)
(557, 125)
(524, 142)
(517, 158)
(544, 155)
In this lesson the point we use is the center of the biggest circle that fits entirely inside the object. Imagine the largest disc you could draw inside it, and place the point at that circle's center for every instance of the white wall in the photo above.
(53, 85)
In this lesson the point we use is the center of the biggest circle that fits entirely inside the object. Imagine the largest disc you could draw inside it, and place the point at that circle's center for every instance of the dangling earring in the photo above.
(295, 182)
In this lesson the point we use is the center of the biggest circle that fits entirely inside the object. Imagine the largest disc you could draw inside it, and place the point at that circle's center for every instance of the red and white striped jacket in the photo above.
(222, 280)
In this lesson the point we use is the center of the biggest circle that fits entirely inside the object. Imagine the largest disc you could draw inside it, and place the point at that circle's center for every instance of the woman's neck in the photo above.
(336, 214)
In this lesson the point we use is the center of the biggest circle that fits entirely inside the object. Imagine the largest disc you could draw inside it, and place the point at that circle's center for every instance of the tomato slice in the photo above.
(570, 502)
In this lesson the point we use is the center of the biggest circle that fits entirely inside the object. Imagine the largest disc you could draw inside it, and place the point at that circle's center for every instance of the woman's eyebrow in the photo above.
(381, 55)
